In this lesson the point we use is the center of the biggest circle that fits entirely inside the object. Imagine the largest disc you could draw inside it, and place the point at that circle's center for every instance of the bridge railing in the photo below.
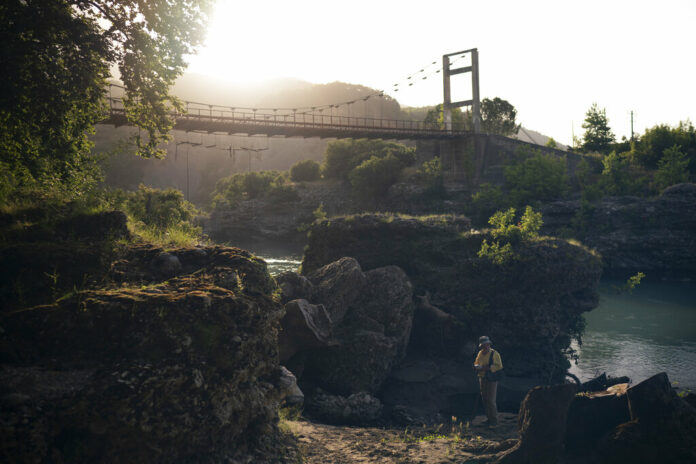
(202, 112)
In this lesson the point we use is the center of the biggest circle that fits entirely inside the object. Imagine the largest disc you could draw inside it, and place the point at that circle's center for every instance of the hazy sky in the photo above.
(551, 59)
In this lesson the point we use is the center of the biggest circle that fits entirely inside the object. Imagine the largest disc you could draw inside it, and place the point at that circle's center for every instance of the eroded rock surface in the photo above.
(145, 369)
(370, 315)
(650, 235)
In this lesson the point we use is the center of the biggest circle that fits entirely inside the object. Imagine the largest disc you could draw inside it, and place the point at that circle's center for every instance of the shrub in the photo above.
(374, 176)
(158, 216)
(342, 156)
(251, 185)
(672, 168)
(620, 177)
(653, 143)
(307, 170)
(506, 234)
(537, 178)
(159, 208)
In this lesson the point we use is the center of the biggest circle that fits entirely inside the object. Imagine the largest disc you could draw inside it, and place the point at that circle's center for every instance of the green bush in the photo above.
(506, 234)
(537, 178)
(374, 176)
(652, 144)
(252, 185)
(620, 176)
(159, 208)
(342, 156)
(672, 168)
(307, 171)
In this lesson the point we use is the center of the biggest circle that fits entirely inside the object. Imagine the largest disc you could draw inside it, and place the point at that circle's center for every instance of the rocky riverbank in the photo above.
(651, 235)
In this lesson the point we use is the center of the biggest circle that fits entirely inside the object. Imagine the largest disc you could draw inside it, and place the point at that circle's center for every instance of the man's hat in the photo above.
(483, 340)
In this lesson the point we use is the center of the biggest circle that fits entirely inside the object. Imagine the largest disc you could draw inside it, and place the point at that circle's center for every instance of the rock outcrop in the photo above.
(304, 326)
(650, 235)
(542, 422)
(370, 316)
(662, 427)
(172, 357)
(530, 306)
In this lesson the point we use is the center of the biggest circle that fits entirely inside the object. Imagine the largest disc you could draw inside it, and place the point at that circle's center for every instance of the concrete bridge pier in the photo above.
(462, 161)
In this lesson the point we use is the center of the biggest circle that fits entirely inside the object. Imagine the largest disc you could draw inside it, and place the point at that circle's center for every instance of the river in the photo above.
(638, 334)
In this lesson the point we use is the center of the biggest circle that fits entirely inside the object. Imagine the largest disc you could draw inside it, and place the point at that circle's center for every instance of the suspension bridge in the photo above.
(313, 121)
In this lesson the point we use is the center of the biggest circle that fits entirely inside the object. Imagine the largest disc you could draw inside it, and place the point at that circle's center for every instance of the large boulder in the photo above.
(542, 422)
(177, 371)
(303, 327)
(370, 315)
(337, 286)
(592, 415)
(662, 427)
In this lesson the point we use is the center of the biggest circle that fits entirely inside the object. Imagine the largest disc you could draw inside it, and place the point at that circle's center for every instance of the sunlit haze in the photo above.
(550, 59)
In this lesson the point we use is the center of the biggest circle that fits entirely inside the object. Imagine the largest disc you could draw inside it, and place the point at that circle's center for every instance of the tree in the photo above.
(57, 56)
(435, 119)
(342, 156)
(672, 168)
(538, 178)
(306, 170)
(651, 146)
(598, 135)
(498, 117)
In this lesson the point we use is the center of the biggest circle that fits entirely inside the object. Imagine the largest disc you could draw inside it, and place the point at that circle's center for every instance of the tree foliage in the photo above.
(373, 177)
(56, 57)
(306, 170)
(672, 168)
(598, 136)
(498, 116)
(651, 146)
(435, 119)
(537, 178)
(272, 185)
(342, 156)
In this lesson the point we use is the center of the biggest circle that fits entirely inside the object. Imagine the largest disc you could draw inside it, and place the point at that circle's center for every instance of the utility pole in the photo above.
(631, 125)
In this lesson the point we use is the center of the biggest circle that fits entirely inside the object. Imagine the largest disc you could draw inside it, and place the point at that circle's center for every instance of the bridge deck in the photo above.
(296, 125)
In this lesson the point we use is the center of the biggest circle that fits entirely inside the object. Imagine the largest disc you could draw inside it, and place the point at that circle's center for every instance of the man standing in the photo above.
(488, 361)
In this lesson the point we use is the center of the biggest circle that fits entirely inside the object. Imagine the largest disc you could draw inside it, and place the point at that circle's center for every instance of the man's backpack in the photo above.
(493, 376)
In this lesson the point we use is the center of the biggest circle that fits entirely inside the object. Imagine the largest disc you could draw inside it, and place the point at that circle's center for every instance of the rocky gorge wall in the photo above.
(656, 236)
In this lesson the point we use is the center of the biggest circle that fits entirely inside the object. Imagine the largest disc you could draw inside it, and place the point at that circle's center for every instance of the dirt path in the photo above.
(322, 444)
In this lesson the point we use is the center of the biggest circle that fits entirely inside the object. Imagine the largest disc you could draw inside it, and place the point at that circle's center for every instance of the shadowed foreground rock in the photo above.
(181, 370)
(662, 427)
(370, 315)
(542, 420)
